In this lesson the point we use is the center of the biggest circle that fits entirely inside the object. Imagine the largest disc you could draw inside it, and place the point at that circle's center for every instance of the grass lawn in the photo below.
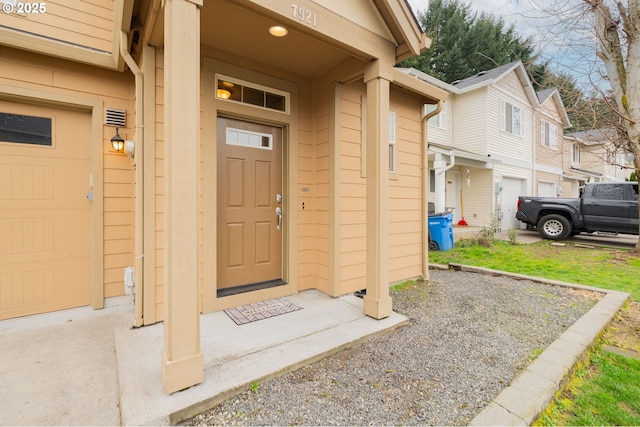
(602, 268)
(606, 391)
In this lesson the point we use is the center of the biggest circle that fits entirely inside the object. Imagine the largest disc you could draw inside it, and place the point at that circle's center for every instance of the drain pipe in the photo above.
(139, 171)
(425, 189)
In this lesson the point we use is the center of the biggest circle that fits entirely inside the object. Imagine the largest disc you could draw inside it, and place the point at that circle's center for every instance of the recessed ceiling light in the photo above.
(278, 31)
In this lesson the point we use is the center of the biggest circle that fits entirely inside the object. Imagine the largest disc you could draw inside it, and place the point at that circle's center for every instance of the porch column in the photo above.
(182, 362)
(377, 302)
(440, 166)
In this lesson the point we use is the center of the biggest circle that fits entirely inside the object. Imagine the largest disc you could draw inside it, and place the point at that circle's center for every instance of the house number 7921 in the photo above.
(304, 15)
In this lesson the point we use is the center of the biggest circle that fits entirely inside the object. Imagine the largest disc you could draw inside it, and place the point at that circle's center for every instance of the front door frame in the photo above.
(212, 108)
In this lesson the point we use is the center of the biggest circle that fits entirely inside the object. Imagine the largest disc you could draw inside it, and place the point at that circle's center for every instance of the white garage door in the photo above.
(45, 217)
(511, 189)
(546, 189)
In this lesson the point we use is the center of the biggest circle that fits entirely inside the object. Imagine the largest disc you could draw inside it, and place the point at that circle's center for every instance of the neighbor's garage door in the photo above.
(546, 189)
(44, 212)
(511, 189)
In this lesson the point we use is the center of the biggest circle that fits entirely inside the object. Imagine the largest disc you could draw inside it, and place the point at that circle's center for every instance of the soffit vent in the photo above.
(115, 117)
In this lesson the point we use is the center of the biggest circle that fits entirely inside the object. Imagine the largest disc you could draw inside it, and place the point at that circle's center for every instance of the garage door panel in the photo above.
(34, 235)
(25, 290)
(64, 184)
(45, 217)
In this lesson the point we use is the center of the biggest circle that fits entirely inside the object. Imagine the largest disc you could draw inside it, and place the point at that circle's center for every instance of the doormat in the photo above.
(261, 310)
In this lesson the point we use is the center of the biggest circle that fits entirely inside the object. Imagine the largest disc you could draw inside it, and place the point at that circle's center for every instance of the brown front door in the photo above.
(250, 209)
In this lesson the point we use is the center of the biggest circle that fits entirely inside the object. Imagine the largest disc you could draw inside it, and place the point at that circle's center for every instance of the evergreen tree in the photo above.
(464, 43)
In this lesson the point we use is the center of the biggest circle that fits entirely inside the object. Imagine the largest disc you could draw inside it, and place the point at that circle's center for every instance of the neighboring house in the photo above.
(483, 158)
(550, 121)
(592, 156)
(257, 165)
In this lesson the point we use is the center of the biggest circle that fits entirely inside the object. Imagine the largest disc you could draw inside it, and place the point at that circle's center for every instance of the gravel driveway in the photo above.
(470, 335)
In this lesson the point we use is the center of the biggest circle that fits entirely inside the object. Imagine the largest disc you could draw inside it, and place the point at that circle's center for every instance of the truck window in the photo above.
(634, 192)
(609, 192)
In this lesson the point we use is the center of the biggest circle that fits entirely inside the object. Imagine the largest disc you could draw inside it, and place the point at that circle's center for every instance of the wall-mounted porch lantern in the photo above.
(117, 142)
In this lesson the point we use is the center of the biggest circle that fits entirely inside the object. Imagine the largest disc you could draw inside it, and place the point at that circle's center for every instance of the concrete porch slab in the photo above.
(86, 367)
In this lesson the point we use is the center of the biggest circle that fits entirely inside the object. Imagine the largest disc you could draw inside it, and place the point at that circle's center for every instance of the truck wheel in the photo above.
(554, 227)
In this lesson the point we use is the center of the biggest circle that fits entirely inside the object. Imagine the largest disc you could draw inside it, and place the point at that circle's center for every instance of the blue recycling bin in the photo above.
(441, 231)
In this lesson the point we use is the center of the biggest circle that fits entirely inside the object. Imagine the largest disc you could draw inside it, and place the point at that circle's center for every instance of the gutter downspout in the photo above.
(139, 165)
(425, 189)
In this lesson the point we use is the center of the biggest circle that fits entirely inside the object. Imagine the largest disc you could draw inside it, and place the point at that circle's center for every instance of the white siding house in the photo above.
(485, 157)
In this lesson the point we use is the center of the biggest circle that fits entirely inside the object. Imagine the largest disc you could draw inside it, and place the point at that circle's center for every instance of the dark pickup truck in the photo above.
(610, 207)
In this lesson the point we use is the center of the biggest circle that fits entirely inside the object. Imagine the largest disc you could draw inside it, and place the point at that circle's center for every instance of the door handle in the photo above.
(279, 213)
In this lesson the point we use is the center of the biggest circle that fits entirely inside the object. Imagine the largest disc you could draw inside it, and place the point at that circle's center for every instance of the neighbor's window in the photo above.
(22, 129)
(432, 180)
(393, 150)
(511, 119)
(439, 120)
(549, 135)
(575, 153)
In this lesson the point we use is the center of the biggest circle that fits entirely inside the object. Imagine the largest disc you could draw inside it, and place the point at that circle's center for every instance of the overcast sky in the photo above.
(556, 46)
(480, 5)
(500, 8)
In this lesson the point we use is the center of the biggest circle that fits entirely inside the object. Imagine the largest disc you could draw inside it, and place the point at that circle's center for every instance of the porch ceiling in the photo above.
(231, 27)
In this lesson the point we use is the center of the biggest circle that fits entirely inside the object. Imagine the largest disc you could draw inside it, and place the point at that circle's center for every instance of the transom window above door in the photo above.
(236, 90)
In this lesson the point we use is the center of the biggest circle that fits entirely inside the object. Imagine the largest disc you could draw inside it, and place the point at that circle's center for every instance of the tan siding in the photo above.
(405, 204)
(545, 155)
(22, 69)
(321, 202)
(159, 216)
(353, 192)
(306, 182)
(88, 24)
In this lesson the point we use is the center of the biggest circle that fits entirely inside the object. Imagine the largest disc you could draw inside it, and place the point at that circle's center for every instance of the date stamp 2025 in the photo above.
(23, 8)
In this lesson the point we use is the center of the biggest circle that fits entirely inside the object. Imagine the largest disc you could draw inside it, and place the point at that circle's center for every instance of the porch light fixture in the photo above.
(117, 142)
(278, 31)
(223, 94)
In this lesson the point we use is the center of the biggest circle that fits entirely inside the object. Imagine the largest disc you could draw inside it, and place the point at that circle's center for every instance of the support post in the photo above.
(182, 361)
(378, 77)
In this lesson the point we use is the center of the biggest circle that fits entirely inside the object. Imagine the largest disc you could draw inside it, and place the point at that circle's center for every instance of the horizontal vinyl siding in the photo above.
(504, 143)
(85, 23)
(33, 71)
(406, 214)
(353, 192)
(322, 188)
(512, 85)
(306, 194)
(443, 136)
(471, 122)
(159, 204)
(477, 198)
(545, 155)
